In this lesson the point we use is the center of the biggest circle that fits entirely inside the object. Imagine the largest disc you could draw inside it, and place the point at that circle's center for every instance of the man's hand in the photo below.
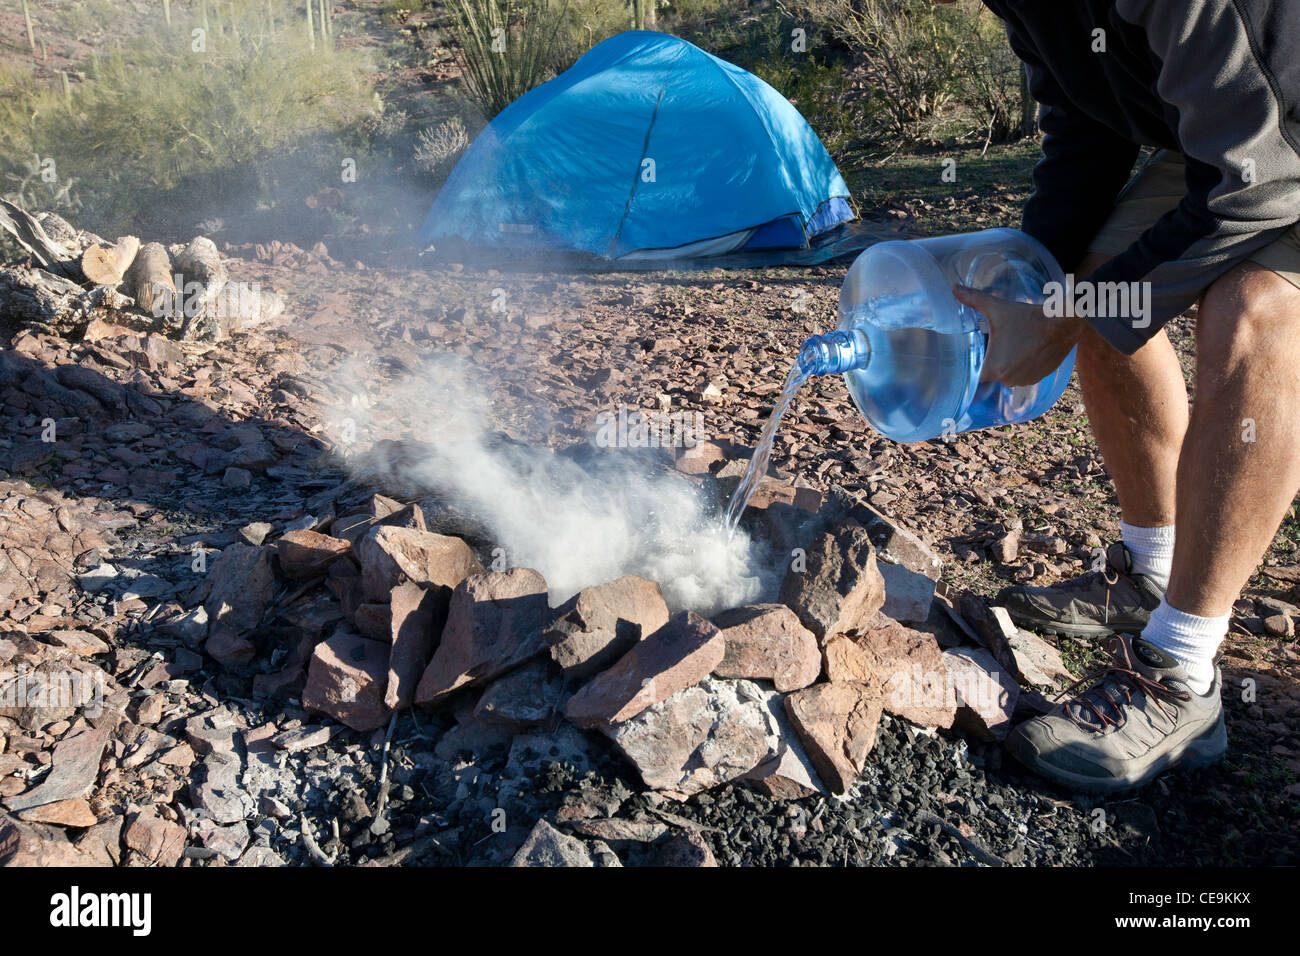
(1025, 346)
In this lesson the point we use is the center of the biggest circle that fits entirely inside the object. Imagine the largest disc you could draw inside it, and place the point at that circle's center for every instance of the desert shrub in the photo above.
(437, 150)
(166, 115)
(988, 77)
(400, 9)
(913, 51)
(693, 13)
(585, 23)
(27, 177)
(933, 68)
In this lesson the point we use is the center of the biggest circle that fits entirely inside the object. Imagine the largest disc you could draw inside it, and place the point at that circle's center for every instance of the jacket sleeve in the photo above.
(1083, 167)
(1242, 166)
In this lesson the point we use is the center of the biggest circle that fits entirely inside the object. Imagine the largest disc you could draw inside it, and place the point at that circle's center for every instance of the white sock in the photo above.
(1191, 640)
(1152, 550)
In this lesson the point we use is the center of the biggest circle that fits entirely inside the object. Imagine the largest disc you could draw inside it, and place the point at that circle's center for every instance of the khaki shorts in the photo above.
(1157, 187)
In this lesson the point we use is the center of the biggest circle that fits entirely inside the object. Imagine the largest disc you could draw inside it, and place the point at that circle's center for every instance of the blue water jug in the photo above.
(911, 354)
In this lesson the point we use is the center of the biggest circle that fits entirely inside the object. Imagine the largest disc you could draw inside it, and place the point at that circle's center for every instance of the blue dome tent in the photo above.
(650, 149)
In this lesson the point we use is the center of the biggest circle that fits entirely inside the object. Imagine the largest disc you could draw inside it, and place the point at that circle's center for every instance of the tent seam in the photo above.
(636, 175)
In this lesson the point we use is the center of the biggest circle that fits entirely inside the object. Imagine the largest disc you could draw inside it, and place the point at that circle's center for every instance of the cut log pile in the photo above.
(75, 276)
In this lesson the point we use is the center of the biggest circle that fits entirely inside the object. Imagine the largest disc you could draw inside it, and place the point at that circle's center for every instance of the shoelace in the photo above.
(1110, 574)
(1121, 675)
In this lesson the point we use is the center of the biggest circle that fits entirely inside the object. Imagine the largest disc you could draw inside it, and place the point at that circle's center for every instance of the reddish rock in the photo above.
(495, 620)
(388, 556)
(1028, 658)
(547, 846)
(79, 642)
(72, 686)
(352, 527)
(908, 565)
(346, 680)
(375, 621)
(600, 624)
(985, 693)
(906, 665)
(149, 710)
(74, 772)
(784, 777)
(772, 493)
(412, 634)
(527, 696)
(308, 554)
(894, 544)
(1279, 625)
(1006, 549)
(838, 588)
(64, 813)
(157, 840)
(684, 849)
(36, 845)
(303, 738)
(181, 755)
(242, 585)
(837, 724)
(101, 844)
(229, 648)
(700, 737)
(345, 581)
(767, 642)
(699, 458)
(678, 655)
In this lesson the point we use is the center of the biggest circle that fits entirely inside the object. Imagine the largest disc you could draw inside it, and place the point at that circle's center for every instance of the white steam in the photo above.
(577, 519)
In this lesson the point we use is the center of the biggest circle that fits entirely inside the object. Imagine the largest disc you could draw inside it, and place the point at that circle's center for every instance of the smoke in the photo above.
(579, 517)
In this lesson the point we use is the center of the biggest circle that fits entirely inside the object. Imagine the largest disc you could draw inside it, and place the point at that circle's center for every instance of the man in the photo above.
(1210, 220)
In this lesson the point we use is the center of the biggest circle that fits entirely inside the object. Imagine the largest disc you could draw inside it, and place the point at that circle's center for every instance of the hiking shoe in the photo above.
(1097, 604)
(1137, 719)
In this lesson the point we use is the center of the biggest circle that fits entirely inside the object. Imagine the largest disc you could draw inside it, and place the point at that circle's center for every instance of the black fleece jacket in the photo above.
(1217, 80)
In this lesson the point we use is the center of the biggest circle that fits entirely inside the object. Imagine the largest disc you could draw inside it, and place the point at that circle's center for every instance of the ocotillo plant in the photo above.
(167, 11)
(501, 64)
(311, 27)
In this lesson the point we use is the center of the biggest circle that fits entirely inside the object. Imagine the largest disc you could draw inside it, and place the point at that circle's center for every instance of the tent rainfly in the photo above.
(646, 148)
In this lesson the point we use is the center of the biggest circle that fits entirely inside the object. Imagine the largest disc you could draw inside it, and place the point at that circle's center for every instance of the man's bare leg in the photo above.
(1237, 475)
(1137, 409)
(1240, 463)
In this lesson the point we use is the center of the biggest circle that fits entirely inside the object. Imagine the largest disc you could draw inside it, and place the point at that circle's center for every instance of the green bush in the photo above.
(989, 77)
(586, 23)
(912, 49)
(932, 66)
(159, 117)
